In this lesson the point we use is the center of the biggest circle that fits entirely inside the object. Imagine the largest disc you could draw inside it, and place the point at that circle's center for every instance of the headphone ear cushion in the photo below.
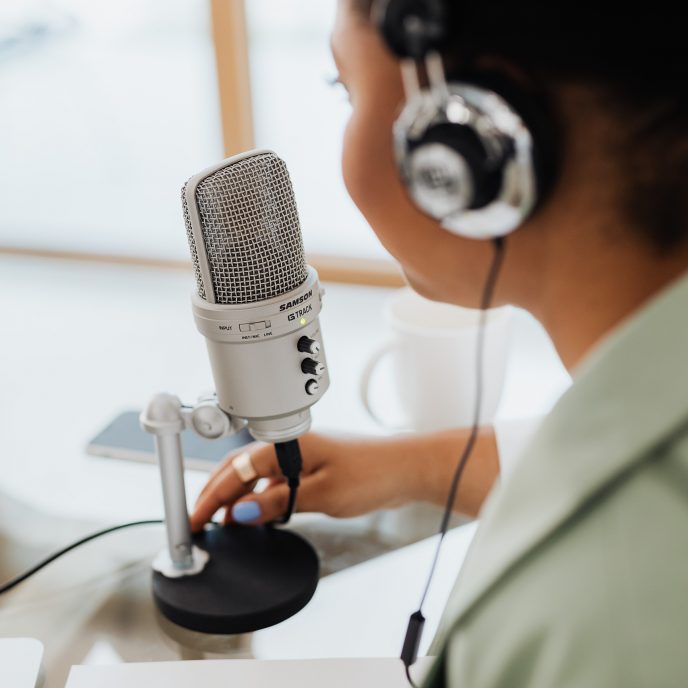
(538, 117)
(462, 140)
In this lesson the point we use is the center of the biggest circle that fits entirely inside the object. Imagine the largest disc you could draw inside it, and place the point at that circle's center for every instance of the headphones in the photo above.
(476, 154)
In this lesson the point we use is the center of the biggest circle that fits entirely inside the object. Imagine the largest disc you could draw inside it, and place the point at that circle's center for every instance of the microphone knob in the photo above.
(306, 345)
(311, 367)
(312, 387)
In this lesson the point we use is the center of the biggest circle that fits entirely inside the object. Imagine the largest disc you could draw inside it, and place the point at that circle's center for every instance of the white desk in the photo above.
(360, 612)
(81, 342)
(363, 611)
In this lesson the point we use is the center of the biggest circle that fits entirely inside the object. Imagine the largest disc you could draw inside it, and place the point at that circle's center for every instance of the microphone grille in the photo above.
(250, 230)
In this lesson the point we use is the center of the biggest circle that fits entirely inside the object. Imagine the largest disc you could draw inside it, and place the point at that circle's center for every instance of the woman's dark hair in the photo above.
(637, 57)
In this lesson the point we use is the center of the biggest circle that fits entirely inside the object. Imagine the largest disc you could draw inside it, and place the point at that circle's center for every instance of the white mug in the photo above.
(433, 351)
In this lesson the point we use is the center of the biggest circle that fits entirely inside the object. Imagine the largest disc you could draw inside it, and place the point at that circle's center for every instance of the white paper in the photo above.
(20, 662)
(237, 673)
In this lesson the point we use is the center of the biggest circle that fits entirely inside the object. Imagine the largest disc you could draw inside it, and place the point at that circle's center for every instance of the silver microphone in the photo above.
(257, 301)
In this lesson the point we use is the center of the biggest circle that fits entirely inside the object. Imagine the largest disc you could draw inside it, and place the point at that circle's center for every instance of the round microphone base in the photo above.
(257, 576)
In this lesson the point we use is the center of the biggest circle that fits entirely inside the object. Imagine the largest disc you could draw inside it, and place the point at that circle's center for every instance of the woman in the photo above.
(579, 572)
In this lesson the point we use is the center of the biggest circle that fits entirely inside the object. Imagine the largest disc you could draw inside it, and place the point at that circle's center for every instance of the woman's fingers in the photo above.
(250, 448)
(272, 503)
(226, 486)
(260, 507)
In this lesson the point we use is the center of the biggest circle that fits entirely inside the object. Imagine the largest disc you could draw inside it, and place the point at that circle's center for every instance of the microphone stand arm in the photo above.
(165, 418)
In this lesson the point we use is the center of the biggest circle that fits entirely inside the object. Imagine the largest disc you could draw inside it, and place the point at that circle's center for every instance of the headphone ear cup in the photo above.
(533, 108)
(480, 159)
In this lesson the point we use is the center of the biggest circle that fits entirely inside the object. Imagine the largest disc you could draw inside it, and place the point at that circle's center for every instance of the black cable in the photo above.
(289, 459)
(414, 630)
(293, 493)
(12, 583)
(407, 668)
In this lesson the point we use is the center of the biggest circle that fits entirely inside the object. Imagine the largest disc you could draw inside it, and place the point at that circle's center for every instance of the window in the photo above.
(300, 116)
(107, 108)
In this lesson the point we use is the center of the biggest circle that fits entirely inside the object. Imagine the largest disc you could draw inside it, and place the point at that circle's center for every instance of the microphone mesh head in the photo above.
(250, 230)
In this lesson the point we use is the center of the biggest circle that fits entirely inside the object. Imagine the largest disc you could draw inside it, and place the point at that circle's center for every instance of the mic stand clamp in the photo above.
(165, 418)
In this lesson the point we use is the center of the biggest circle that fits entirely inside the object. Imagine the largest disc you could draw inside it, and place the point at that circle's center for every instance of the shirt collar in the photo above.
(629, 395)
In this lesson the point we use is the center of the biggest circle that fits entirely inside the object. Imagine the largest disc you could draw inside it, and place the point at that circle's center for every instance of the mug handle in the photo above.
(364, 386)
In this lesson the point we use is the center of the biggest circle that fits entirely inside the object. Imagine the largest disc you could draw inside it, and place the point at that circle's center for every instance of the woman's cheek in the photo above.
(359, 165)
(371, 177)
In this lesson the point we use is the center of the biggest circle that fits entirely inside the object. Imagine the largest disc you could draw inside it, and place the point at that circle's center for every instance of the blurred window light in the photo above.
(299, 115)
(107, 108)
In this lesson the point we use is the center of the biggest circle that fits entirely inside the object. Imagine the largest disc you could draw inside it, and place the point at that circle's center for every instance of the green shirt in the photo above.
(578, 574)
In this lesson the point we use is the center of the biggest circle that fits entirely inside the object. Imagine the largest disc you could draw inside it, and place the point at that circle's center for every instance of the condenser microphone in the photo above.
(257, 305)
(257, 301)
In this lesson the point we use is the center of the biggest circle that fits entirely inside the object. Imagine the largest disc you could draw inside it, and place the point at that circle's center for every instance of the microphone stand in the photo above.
(231, 579)
(165, 418)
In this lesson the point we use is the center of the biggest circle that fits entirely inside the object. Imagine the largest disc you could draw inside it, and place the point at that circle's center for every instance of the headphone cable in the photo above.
(414, 630)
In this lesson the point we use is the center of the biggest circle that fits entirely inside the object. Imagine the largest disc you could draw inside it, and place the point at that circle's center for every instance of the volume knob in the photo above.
(306, 345)
(312, 387)
(311, 367)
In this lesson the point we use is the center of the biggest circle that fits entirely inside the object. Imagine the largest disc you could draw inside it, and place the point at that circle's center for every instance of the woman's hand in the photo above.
(350, 477)
(340, 477)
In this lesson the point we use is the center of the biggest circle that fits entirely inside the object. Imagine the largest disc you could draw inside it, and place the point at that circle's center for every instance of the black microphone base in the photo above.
(257, 576)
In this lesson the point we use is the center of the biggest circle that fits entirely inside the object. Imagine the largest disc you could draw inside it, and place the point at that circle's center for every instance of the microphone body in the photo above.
(256, 362)
(257, 302)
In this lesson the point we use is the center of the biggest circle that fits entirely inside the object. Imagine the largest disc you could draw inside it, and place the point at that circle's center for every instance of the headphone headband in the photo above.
(412, 28)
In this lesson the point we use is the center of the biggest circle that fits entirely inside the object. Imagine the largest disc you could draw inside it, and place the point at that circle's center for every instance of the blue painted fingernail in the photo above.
(243, 512)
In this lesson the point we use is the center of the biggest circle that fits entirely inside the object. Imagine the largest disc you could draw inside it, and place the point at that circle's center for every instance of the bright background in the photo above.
(108, 107)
